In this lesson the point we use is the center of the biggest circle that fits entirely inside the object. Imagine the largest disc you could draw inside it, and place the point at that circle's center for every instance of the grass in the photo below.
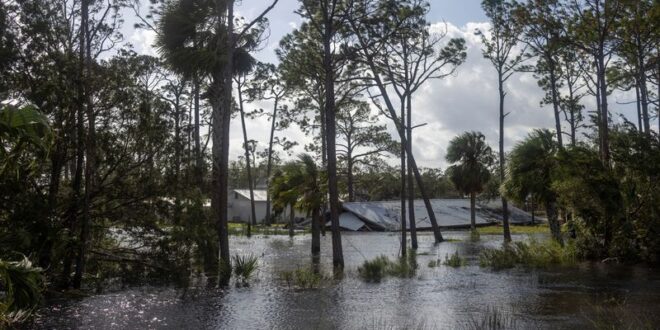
(532, 255)
(303, 278)
(455, 260)
(244, 268)
(515, 229)
(492, 319)
(377, 269)
(240, 229)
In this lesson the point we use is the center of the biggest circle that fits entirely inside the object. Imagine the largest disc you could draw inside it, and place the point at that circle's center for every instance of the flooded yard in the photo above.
(587, 296)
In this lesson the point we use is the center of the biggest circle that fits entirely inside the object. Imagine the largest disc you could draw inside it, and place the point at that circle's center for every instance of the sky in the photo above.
(465, 101)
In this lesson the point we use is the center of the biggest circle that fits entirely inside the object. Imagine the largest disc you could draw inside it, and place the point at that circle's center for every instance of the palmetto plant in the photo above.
(472, 158)
(20, 289)
(21, 129)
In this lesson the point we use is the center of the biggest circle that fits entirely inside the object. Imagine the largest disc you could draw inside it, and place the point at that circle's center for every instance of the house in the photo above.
(239, 209)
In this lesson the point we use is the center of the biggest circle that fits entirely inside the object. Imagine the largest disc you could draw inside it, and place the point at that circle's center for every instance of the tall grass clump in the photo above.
(532, 254)
(454, 260)
(492, 319)
(380, 267)
(244, 268)
(303, 278)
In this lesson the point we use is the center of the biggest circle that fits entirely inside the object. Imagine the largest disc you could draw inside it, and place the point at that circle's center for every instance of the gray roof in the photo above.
(259, 194)
(385, 215)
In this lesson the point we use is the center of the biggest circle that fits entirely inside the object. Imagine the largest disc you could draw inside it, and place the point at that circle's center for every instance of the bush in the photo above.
(532, 254)
(454, 260)
(380, 267)
(21, 285)
(244, 267)
(303, 278)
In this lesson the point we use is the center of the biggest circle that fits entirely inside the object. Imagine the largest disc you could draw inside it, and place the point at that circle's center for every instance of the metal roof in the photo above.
(259, 194)
(385, 215)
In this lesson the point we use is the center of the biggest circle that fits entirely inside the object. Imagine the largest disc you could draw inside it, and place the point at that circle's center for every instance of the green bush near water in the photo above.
(532, 254)
(380, 267)
(303, 278)
(454, 260)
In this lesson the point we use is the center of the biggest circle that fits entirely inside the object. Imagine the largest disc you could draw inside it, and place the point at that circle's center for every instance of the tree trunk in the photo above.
(349, 177)
(555, 102)
(642, 88)
(473, 216)
(220, 123)
(292, 216)
(269, 166)
(198, 150)
(418, 178)
(253, 217)
(604, 125)
(411, 183)
(505, 205)
(89, 146)
(330, 134)
(402, 132)
(640, 127)
(553, 221)
(316, 239)
(324, 162)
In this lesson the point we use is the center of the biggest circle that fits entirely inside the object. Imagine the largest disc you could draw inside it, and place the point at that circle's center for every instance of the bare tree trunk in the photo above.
(642, 88)
(291, 220)
(198, 150)
(604, 124)
(269, 166)
(640, 127)
(473, 216)
(505, 205)
(349, 177)
(248, 166)
(324, 163)
(316, 239)
(553, 221)
(89, 145)
(411, 183)
(402, 132)
(555, 102)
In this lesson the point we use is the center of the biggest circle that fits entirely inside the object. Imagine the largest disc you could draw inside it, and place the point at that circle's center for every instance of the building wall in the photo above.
(239, 210)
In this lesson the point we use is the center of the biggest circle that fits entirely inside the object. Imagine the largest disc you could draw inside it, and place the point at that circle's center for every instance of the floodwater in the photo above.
(588, 296)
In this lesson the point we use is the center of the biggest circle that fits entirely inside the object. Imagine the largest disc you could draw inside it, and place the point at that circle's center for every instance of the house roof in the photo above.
(259, 194)
(384, 215)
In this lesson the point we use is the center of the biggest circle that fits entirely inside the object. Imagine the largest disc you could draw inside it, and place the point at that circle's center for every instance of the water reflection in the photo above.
(439, 297)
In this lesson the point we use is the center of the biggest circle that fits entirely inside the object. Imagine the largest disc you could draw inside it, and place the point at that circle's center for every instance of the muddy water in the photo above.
(436, 298)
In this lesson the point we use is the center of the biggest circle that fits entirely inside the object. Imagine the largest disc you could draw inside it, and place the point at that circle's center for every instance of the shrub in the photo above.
(454, 260)
(380, 267)
(374, 270)
(303, 278)
(244, 267)
(22, 284)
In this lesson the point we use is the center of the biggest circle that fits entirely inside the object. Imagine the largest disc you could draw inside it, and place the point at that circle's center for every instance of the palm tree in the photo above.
(197, 39)
(471, 173)
(531, 166)
(300, 185)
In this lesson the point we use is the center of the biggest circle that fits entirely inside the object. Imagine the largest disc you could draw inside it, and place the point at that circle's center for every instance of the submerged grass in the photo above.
(376, 269)
(515, 229)
(532, 254)
(492, 319)
(455, 260)
(303, 278)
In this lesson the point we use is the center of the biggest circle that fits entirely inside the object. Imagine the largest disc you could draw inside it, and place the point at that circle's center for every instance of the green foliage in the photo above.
(474, 158)
(378, 268)
(303, 278)
(455, 260)
(22, 285)
(244, 267)
(532, 255)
